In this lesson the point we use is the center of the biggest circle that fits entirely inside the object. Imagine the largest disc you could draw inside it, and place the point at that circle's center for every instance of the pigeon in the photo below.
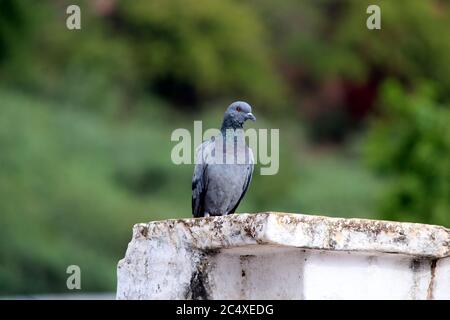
(224, 166)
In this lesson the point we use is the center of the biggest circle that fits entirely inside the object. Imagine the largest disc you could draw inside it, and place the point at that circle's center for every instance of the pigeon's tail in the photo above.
(199, 188)
(197, 211)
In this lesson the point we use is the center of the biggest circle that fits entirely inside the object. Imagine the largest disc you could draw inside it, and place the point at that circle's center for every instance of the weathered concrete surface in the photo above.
(285, 256)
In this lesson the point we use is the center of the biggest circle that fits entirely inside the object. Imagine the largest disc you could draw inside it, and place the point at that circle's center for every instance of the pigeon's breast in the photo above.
(230, 150)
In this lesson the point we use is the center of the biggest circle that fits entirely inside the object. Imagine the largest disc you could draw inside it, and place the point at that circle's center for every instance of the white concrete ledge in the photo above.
(285, 256)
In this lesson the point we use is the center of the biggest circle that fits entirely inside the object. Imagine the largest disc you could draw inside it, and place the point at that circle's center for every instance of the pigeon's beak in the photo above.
(250, 116)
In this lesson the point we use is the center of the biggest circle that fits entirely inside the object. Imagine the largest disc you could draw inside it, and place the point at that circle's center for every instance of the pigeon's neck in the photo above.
(230, 124)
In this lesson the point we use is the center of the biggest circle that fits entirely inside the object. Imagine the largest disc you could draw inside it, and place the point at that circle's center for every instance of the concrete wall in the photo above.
(285, 256)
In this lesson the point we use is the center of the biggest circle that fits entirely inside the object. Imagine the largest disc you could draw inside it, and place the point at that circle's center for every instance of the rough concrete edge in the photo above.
(255, 233)
(398, 236)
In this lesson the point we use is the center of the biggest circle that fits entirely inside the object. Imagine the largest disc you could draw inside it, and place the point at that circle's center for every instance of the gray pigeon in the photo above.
(224, 166)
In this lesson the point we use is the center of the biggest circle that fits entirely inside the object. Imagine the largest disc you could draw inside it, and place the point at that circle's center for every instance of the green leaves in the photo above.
(410, 145)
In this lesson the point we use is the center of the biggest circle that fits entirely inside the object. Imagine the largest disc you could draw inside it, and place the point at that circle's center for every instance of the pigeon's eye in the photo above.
(238, 109)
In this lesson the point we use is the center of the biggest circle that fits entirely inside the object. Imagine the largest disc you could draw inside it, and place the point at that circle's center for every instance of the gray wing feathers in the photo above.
(247, 181)
(199, 181)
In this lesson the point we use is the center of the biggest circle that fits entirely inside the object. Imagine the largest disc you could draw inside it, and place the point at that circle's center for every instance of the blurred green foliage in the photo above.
(68, 192)
(190, 49)
(335, 65)
(86, 118)
(187, 52)
(73, 182)
(411, 146)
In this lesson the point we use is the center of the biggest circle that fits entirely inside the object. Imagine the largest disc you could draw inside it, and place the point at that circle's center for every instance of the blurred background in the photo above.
(86, 117)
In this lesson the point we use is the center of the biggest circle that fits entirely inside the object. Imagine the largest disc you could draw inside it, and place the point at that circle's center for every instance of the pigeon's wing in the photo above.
(247, 180)
(200, 179)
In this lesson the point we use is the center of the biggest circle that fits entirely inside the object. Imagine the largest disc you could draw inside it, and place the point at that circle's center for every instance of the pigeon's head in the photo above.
(237, 113)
